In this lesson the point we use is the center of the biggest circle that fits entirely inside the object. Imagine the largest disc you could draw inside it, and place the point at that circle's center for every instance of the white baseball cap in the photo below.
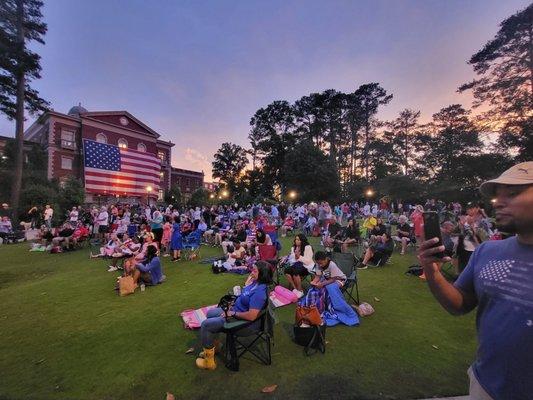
(519, 174)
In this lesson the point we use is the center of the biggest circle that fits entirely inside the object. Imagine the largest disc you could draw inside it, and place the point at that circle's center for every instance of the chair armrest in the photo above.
(241, 323)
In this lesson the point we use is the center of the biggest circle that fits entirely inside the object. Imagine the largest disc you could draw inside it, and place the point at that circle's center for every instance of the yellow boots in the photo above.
(208, 359)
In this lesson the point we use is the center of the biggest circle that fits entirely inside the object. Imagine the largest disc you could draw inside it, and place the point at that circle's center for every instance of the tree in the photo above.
(72, 194)
(369, 96)
(230, 161)
(273, 134)
(20, 24)
(311, 173)
(173, 196)
(504, 67)
(404, 128)
(199, 197)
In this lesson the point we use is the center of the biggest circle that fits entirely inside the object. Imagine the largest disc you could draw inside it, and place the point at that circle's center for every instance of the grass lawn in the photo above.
(65, 334)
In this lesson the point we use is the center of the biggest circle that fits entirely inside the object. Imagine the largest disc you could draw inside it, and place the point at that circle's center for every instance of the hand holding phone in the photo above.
(432, 229)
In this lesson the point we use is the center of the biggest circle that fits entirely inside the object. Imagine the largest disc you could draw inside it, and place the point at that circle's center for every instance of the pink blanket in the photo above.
(192, 319)
(281, 296)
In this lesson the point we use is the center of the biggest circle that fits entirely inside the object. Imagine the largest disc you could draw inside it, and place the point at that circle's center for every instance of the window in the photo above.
(162, 176)
(123, 143)
(160, 194)
(101, 138)
(68, 139)
(162, 156)
(66, 163)
(141, 147)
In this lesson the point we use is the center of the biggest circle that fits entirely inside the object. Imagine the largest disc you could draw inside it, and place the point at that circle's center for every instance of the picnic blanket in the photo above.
(331, 305)
(281, 296)
(192, 319)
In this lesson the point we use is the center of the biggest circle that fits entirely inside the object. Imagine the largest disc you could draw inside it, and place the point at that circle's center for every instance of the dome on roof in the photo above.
(77, 110)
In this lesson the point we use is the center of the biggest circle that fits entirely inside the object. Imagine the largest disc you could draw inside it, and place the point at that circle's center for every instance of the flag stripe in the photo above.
(115, 184)
(94, 173)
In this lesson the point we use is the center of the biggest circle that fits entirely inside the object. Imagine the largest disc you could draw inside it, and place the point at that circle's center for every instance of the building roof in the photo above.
(77, 110)
(175, 170)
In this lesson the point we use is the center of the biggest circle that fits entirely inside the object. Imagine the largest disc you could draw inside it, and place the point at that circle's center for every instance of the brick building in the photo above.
(61, 136)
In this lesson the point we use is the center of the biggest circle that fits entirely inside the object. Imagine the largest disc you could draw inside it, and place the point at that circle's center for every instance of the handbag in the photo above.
(126, 285)
(313, 338)
(308, 315)
(364, 309)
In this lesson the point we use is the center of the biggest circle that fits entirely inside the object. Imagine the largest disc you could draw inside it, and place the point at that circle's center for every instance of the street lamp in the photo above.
(212, 196)
(292, 194)
(225, 193)
(493, 201)
(149, 189)
(370, 193)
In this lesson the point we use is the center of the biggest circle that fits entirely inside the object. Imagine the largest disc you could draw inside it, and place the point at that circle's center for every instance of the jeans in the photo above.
(214, 324)
(211, 327)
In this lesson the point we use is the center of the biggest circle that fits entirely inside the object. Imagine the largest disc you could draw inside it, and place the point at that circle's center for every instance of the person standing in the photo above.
(498, 280)
(48, 214)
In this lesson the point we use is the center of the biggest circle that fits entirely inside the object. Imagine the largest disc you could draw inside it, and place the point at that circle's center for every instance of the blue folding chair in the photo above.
(191, 245)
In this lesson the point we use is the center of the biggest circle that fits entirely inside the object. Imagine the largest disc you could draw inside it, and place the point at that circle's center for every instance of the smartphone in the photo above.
(432, 229)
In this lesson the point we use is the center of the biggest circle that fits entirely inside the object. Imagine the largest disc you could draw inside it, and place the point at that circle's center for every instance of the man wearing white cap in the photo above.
(498, 280)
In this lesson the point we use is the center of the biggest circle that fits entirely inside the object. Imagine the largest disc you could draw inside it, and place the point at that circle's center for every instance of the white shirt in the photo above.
(102, 218)
(74, 216)
(48, 214)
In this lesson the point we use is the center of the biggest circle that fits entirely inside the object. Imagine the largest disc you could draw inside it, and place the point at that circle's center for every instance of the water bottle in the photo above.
(143, 287)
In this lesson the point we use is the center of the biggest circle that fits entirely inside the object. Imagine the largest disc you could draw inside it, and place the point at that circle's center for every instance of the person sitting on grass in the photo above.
(235, 260)
(309, 225)
(379, 229)
(288, 225)
(403, 233)
(64, 235)
(149, 271)
(351, 235)
(379, 252)
(124, 251)
(368, 224)
(140, 255)
(109, 248)
(300, 263)
(247, 306)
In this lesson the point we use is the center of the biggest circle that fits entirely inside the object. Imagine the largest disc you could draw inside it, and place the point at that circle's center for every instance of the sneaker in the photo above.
(362, 266)
(112, 269)
(166, 255)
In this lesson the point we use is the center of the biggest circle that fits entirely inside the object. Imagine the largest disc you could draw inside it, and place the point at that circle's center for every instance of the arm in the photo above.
(250, 315)
(307, 257)
(452, 299)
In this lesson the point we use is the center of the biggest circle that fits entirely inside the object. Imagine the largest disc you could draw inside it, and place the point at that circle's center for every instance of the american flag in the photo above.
(119, 171)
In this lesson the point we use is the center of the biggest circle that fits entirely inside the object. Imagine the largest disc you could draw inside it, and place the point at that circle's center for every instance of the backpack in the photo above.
(415, 270)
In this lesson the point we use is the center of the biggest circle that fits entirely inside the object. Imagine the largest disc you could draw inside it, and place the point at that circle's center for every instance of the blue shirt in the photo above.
(500, 274)
(253, 296)
(154, 268)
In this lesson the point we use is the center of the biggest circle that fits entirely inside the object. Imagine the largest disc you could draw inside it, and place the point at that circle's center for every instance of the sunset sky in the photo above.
(196, 71)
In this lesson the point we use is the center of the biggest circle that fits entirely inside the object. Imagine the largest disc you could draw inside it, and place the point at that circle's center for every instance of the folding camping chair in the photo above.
(241, 340)
(191, 245)
(269, 253)
(347, 264)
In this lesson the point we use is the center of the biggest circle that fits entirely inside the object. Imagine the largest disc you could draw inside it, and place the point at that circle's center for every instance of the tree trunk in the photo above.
(19, 119)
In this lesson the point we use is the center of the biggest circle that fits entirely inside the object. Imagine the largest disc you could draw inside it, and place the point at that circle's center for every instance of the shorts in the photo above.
(103, 229)
(296, 269)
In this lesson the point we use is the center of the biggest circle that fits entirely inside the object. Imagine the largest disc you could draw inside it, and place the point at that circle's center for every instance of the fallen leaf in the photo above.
(190, 350)
(327, 342)
(170, 396)
(269, 389)
(40, 361)
(435, 347)
(375, 298)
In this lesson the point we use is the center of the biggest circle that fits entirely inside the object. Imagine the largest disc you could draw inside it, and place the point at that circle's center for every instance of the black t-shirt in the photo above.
(351, 233)
(240, 236)
(379, 230)
(334, 229)
(403, 227)
(66, 232)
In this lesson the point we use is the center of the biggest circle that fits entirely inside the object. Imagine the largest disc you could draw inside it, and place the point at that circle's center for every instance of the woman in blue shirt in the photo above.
(149, 271)
(253, 299)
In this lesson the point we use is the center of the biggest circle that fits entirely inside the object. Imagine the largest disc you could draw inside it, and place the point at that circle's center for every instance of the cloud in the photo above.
(198, 161)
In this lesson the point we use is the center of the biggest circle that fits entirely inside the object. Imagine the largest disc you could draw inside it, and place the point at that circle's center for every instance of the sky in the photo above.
(196, 71)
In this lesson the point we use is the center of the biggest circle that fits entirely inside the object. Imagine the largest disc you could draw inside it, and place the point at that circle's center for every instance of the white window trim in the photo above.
(101, 134)
(66, 158)
(142, 145)
(124, 141)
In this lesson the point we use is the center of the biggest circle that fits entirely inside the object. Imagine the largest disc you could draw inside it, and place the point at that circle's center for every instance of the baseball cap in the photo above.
(519, 174)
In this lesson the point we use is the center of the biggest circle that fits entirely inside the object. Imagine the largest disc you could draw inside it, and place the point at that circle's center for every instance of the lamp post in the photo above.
(293, 195)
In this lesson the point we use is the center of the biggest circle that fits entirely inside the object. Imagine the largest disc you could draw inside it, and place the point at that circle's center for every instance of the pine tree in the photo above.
(20, 24)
